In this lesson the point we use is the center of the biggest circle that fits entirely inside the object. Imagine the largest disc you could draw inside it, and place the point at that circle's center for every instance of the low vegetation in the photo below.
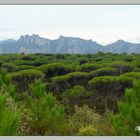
(77, 95)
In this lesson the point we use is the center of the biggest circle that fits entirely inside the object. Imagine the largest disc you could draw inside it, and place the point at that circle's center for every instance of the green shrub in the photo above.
(74, 77)
(76, 95)
(55, 69)
(128, 58)
(83, 61)
(107, 80)
(22, 78)
(135, 75)
(9, 116)
(61, 83)
(109, 89)
(83, 117)
(9, 119)
(7, 85)
(89, 67)
(122, 67)
(88, 131)
(22, 67)
(136, 63)
(103, 72)
(27, 57)
(124, 123)
(49, 116)
(8, 67)
(136, 70)
(76, 91)
(26, 119)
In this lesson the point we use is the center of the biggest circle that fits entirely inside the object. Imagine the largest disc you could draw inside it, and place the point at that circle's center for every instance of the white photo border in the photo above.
(72, 2)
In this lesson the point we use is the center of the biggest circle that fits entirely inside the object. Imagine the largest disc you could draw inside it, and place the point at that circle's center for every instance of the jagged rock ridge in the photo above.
(64, 45)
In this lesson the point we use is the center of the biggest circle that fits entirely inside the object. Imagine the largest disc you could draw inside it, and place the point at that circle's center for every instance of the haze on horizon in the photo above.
(101, 23)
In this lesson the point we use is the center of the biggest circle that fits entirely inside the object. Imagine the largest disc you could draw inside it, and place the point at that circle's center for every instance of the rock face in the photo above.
(121, 46)
(73, 45)
(64, 45)
(33, 39)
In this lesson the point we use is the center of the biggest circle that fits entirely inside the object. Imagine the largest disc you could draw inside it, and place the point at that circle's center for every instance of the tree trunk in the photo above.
(106, 105)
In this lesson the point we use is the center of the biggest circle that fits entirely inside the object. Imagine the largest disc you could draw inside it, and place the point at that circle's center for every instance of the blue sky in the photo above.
(101, 23)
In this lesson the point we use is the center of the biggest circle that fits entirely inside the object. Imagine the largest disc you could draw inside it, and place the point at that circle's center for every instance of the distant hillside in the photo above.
(121, 46)
(64, 45)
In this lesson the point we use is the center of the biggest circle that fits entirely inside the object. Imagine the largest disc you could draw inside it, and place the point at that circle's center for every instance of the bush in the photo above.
(22, 67)
(49, 116)
(9, 119)
(9, 116)
(61, 83)
(27, 57)
(55, 69)
(137, 70)
(6, 84)
(89, 67)
(26, 119)
(104, 83)
(135, 75)
(125, 121)
(76, 91)
(83, 117)
(22, 78)
(88, 131)
(76, 95)
(109, 89)
(83, 61)
(103, 72)
(8, 67)
(73, 78)
(122, 67)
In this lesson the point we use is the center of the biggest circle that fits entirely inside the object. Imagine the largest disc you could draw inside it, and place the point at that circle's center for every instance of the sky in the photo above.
(101, 23)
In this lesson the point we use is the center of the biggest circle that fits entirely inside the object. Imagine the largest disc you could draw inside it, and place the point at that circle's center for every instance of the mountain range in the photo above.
(64, 45)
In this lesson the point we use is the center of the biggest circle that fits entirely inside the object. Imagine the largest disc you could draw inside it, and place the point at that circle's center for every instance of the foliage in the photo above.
(103, 72)
(88, 131)
(83, 61)
(61, 83)
(9, 116)
(9, 119)
(75, 95)
(69, 94)
(26, 119)
(76, 91)
(55, 69)
(72, 77)
(126, 120)
(22, 78)
(122, 67)
(135, 75)
(7, 85)
(22, 67)
(89, 67)
(116, 86)
(83, 117)
(110, 79)
(49, 116)
(8, 67)
(27, 57)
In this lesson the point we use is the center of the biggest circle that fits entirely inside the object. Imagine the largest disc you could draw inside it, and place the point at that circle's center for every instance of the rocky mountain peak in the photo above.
(33, 39)
(63, 45)
(120, 41)
(28, 38)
